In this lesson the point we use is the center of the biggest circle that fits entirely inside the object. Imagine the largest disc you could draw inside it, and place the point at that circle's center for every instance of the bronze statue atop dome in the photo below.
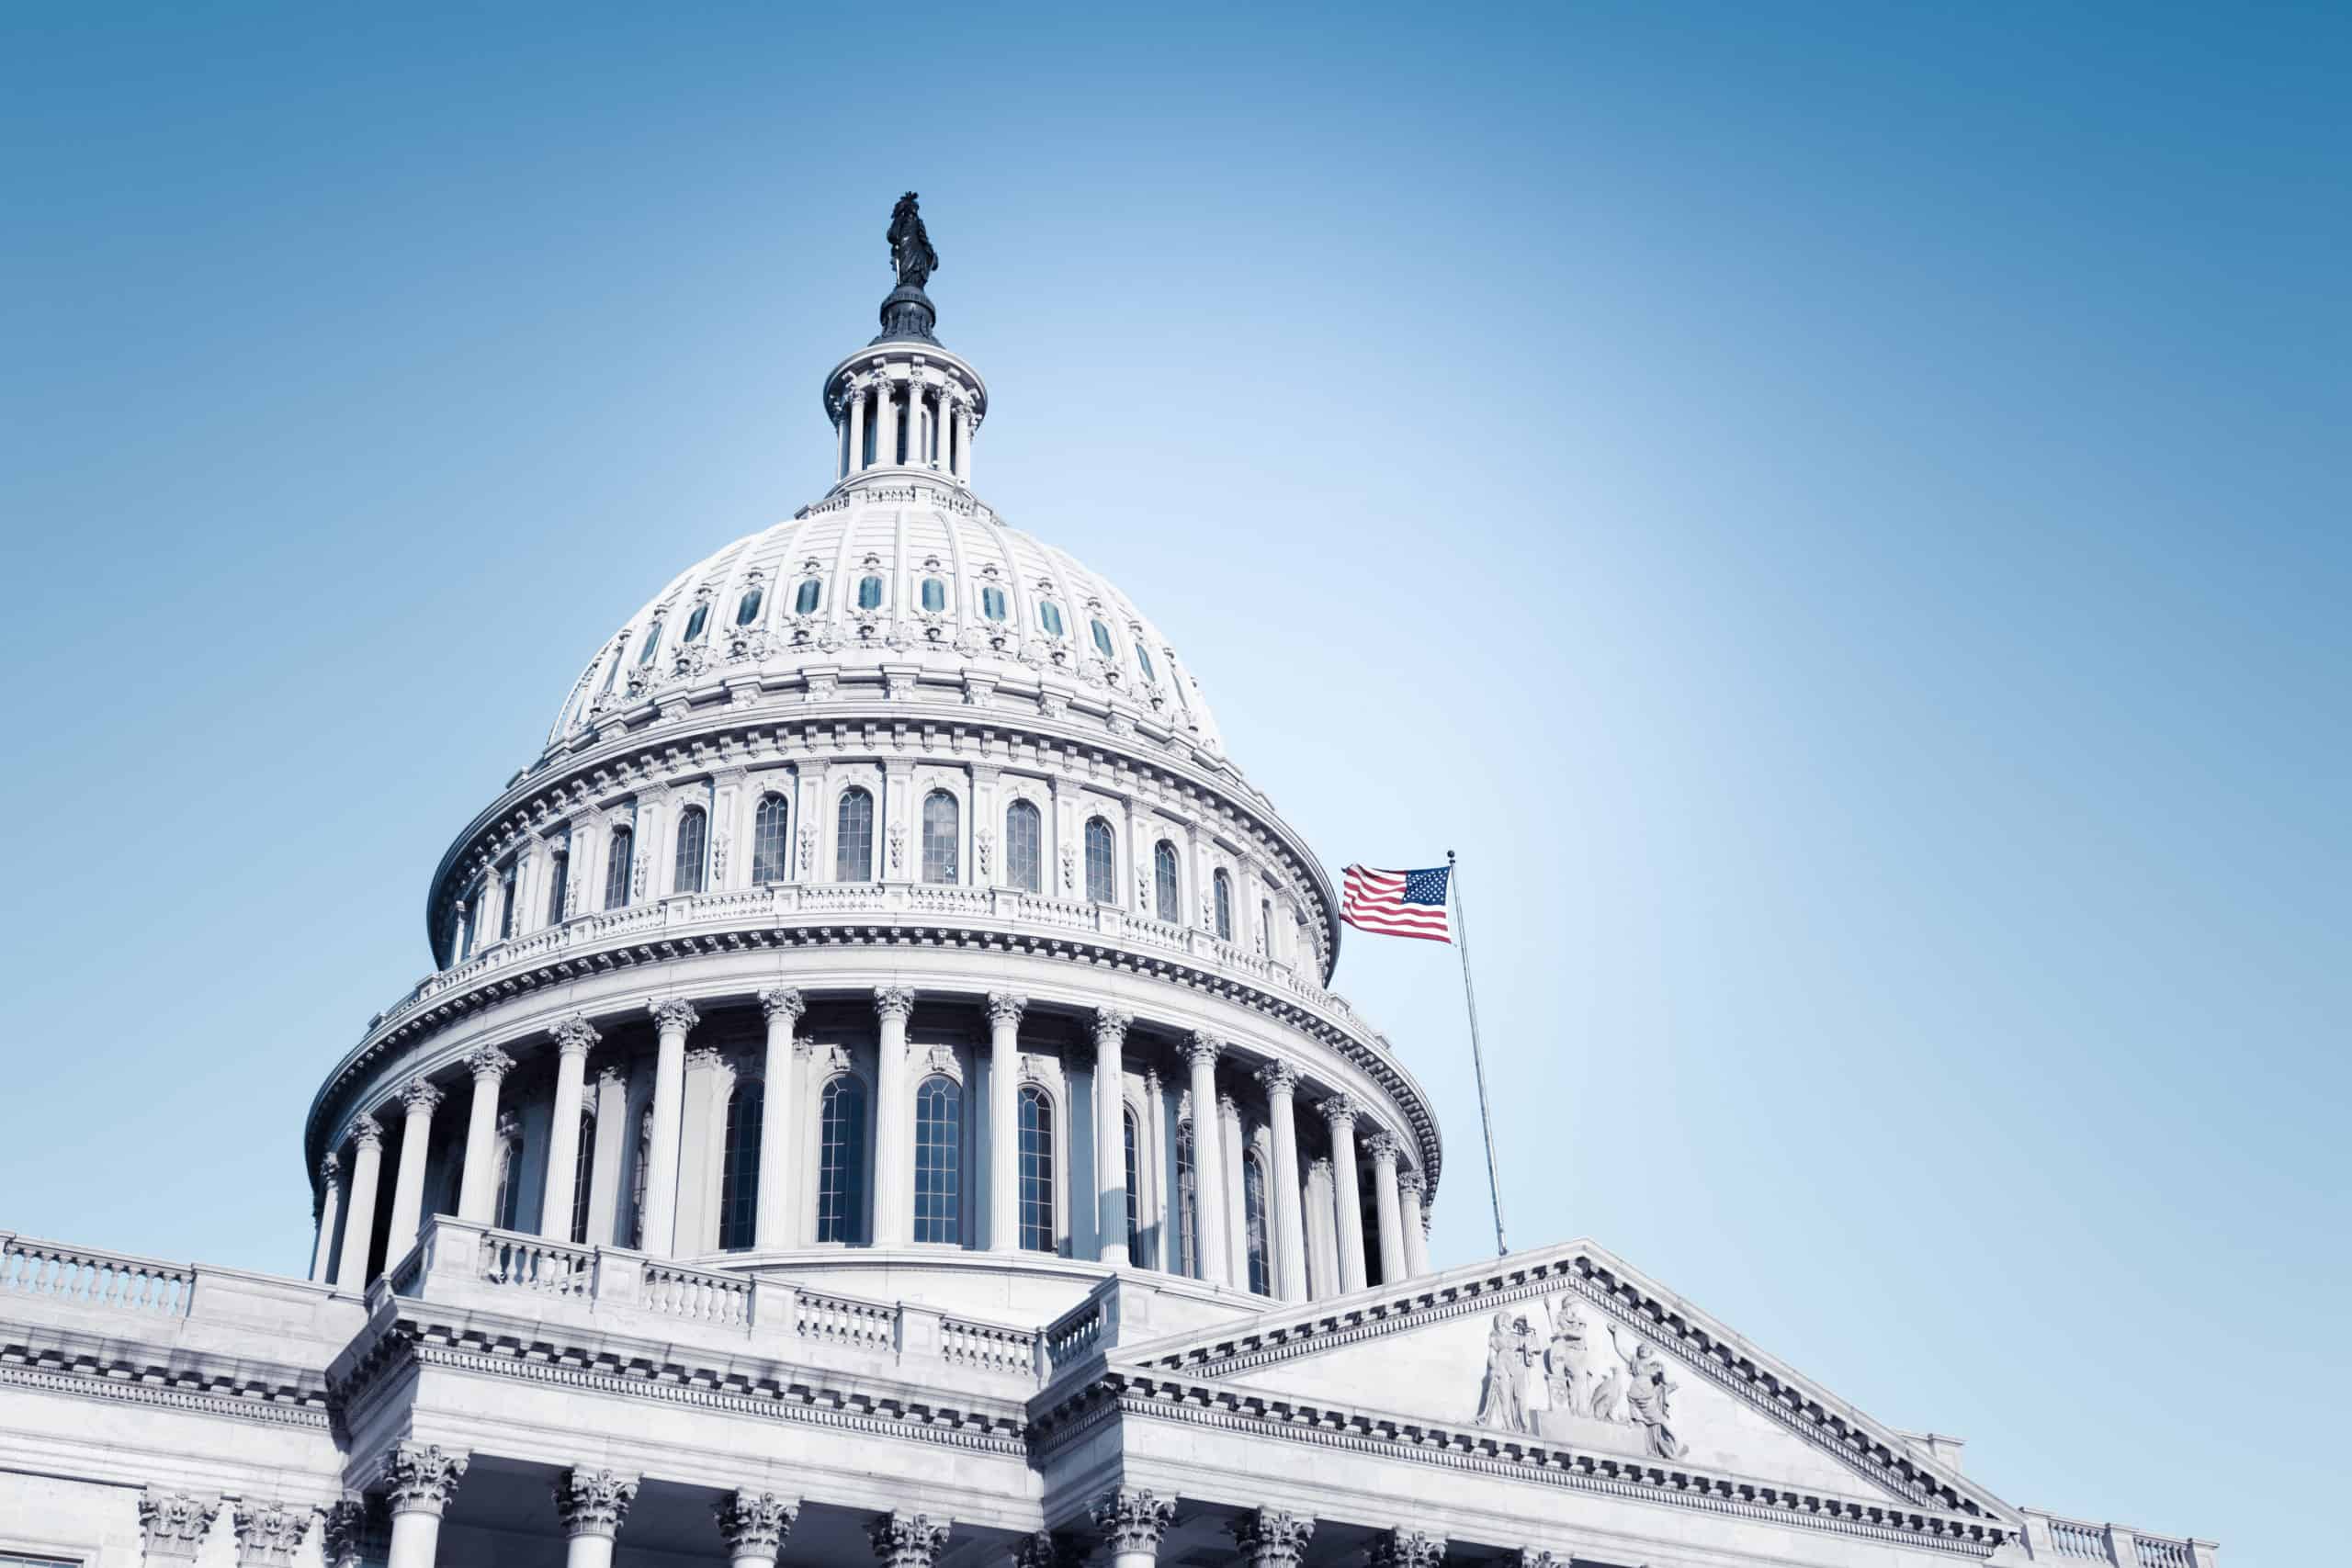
(911, 250)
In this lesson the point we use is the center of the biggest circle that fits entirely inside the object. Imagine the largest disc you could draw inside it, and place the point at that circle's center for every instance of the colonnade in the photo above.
(1314, 1227)
(932, 421)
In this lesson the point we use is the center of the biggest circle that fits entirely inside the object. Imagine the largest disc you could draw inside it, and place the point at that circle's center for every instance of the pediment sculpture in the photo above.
(1552, 1383)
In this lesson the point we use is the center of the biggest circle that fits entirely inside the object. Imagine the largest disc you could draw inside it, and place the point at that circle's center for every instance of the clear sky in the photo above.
(1837, 513)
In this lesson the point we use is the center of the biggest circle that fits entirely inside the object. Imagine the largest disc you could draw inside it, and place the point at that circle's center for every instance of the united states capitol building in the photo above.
(878, 1102)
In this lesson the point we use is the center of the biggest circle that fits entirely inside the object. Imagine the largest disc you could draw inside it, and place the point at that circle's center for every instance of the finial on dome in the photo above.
(908, 313)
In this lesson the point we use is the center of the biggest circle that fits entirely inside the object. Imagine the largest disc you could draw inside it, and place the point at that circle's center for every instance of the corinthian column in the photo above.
(1005, 1008)
(1132, 1523)
(573, 1037)
(1272, 1539)
(1347, 1196)
(592, 1503)
(1409, 1187)
(903, 1539)
(856, 432)
(419, 1480)
(268, 1534)
(756, 1525)
(173, 1525)
(894, 1117)
(672, 1017)
(1381, 1145)
(418, 1099)
(1280, 1080)
(779, 1080)
(477, 1190)
(359, 1225)
(1110, 1138)
(330, 1209)
(1208, 1163)
(1407, 1549)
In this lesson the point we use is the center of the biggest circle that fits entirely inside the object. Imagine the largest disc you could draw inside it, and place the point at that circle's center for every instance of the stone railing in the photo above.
(2118, 1546)
(79, 1276)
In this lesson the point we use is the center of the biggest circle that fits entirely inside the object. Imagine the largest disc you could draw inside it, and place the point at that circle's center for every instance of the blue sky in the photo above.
(1837, 512)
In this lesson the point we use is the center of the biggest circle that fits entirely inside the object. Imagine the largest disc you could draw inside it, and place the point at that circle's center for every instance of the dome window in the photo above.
(992, 603)
(1049, 615)
(695, 622)
(652, 642)
(1103, 640)
(611, 674)
(869, 592)
(748, 610)
(1142, 661)
(935, 594)
(804, 602)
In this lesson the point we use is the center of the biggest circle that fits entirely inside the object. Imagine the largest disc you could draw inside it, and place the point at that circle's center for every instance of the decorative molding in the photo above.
(756, 1524)
(593, 1502)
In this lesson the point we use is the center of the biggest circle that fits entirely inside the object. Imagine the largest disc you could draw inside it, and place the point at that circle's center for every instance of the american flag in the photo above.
(1397, 903)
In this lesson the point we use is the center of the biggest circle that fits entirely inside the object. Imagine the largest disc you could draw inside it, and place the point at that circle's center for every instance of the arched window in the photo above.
(934, 594)
(1049, 617)
(854, 838)
(1166, 902)
(583, 1176)
(1265, 928)
(1143, 663)
(939, 1139)
(1135, 1189)
(612, 673)
(804, 603)
(637, 1181)
(1102, 641)
(1036, 1170)
(992, 603)
(772, 840)
(558, 877)
(506, 901)
(869, 592)
(1102, 880)
(618, 856)
(1253, 1222)
(652, 641)
(1024, 861)
(694, 835)
(1187, 1253)
(506, 1209)
(747, 609)
(840, 1161)
(1221, 886)
(941, 830)
(695, 622)
(738, 1180)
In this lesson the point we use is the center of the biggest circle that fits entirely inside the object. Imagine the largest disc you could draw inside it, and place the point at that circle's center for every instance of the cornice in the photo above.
(273, 1395)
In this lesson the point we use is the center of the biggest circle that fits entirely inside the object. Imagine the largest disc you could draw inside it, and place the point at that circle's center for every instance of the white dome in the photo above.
(914, 573)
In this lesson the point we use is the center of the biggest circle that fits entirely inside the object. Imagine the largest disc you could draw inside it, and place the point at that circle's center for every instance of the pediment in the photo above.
(1568, 1346)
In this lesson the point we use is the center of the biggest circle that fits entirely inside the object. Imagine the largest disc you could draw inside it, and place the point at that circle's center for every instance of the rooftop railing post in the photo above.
(2122, 1547)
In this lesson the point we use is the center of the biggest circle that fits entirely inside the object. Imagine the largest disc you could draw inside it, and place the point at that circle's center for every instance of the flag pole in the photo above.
(1478, 1062)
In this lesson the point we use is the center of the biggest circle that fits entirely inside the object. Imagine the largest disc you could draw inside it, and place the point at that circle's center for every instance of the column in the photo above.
(1132, 1522)
(1381, 1145)
(268, 1534)
(886, 424)
(1407, 1549)
(702, 1137)
(856, 432)
(1005, 1008)
(173, 1525)
(1322, 1246)
(419, 1100)
(904, 1539)
(1347, 1193)
(1272, 1539)
(756, 1525)
(947, 464)
(1236, 1219)
(1280, 1080)
(612, 1145)
(477, 1190)
(574, 1036)
(672, 1018)
(1208, 1163)
(1110, 1138)
(968, 423)
(359, 1225)
(346, 1538)
(894, 1122)
(1152, 1159)
(330, 1209)
(591, 1504)
(779, 1076)
(419, 1480)
(1410, 1188)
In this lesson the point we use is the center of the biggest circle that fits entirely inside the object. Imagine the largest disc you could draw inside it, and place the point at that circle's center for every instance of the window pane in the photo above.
(1185, 1250)
(559, 879)
(695, 622)
(1223, 889)
(506, 903)
(771, 840)
(934, 594)
(869, 592)
(841, 1162)
(652, 641)
(1102, 641)
(617, 866)
(1135, 1207)
(1144, 660)
(1165, 893)
(748, 610)
(941, 830)
(854, 838)
(1036, 1170)
(1253, 1218)
(1024, 856)
(1101, 884)
(992, 603)
(686, 870)
(583, 1179)
(1049, 615)
(510, 1181)
(739, 1181)
(804, 602)
(939, 1126)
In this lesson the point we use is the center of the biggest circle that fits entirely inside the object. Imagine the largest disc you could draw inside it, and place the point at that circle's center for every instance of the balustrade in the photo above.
(696, 1294)
(30, 1268)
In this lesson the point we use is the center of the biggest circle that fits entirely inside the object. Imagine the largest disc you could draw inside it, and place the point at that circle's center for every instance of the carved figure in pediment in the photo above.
(1568, 1361)
(1511, 1360)
(1646, 1392)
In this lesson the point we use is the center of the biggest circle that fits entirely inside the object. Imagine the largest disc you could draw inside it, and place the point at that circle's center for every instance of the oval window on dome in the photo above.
(1144, 660)
(652, 642)
(869, 592)
(748, 610)
(934, 594)
(804, 602)
(1103, 640)
(695, 622)
(992, 603)
(1049, 615)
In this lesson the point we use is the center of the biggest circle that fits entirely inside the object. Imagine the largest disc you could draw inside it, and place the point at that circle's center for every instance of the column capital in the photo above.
(1272, 1539)
(904, 1539)
(1226, 1105)
(1409, 1183)
(783, 1002)
(1203, 1045)
(1407, 1549)
(594, 1502)
(1380, 1143)
(612, 1073)
(756, 1523)
(702, 1058)
(1044, 1549)
(489, 1062)
(367, 1132)
(1133, 1520)
(174, 1524)
(419, 1095)
(421, 1478)
(1151, 1080)
(1320, 1166)
(1537, 1557)
(268, 1534)
(1338, 1109)
(894, 1001)
(1006, 1006)
(349, 1532)
(330, 1169)
(1111, 1025)
(673, 1015)
(1278, 1077)
(575, 1034)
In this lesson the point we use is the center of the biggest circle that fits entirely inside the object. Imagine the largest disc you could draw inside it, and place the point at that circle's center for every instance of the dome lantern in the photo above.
(904, 401)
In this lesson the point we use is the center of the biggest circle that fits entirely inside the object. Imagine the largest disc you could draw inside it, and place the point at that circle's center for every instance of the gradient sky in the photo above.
(1837, 513)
